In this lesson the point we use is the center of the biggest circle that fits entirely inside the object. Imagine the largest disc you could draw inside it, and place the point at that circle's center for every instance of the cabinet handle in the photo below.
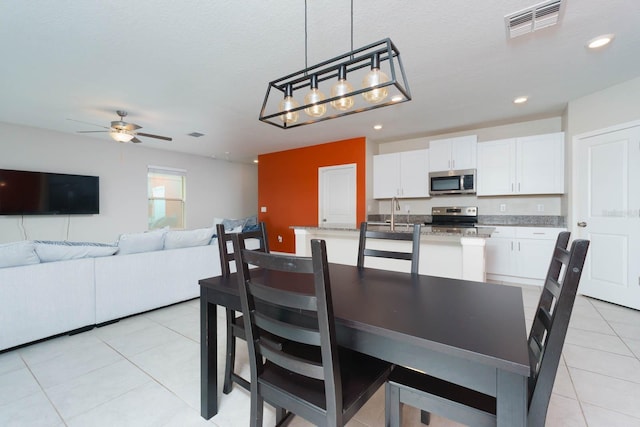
(518, 187)
(453, 164)
(449, 164)
(512, 245)
(512, 187)
(518, 246)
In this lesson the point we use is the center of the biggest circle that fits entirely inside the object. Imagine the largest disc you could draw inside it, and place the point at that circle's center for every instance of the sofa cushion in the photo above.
(18, 253)
(186, 238)
(49, 251)
(141, 242)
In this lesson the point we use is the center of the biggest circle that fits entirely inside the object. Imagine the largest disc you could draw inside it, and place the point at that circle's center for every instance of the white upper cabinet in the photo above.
(404, 174)
(529, 165)
(453, 153)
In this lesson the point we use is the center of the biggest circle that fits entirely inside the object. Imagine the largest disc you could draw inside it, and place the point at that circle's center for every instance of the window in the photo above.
(166, 194)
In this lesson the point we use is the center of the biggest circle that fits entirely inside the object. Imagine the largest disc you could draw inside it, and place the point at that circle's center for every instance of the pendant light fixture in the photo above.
(287, 105)
(374, 79)
(377, 65)
(313, 99)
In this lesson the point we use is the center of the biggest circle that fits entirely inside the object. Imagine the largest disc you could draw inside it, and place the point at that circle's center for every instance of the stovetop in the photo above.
(454, 217)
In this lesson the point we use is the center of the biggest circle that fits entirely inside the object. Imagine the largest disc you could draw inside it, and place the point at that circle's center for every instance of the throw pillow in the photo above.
(18, 253)
(49, 251)
(141, 242)
(186, 238)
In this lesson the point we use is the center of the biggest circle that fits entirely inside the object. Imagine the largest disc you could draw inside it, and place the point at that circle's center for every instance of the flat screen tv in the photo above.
(42, 193)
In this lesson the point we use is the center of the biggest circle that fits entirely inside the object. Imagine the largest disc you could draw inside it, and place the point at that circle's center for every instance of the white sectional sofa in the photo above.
(50, 298)
(130, 284)
(41, 300)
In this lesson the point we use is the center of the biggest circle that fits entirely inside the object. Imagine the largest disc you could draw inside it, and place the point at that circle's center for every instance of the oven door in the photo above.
(452, 182)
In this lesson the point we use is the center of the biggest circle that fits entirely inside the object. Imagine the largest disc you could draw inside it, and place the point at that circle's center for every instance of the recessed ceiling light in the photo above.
(520, 99)
(377, 127)
(600, 41)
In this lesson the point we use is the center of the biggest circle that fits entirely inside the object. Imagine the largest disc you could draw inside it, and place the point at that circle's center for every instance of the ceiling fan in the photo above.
(122, 131)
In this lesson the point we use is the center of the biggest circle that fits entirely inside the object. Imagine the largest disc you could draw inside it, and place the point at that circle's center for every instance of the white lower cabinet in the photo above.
(520, 254)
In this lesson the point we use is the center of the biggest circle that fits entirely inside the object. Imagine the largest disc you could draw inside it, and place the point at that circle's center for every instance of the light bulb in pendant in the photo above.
(288, 104)
(313, 98)
(374, 78)
(342, 87)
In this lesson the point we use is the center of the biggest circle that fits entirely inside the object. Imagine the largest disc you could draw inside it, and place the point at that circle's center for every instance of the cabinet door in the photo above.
(386, 175)
(463, 152)
(541, 164)
(499, 252)
(534, 249)
(439, 155)
(496, 167)
(533, 257)
(414, 173)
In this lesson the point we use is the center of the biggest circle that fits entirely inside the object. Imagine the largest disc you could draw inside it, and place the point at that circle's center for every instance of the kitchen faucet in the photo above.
(395, 206)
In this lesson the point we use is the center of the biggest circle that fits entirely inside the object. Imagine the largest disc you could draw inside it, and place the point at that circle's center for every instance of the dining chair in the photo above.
(414, 237)
(235, 324)
(545, 342)
(310, 376)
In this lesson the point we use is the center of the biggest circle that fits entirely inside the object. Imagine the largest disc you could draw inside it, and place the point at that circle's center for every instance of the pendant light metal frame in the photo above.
(376, 54)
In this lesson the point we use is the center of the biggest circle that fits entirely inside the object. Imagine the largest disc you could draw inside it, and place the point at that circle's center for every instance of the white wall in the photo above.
(515, 205)
(215, 188)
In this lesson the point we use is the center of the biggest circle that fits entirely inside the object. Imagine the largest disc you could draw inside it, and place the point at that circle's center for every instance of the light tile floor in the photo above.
(144, 371)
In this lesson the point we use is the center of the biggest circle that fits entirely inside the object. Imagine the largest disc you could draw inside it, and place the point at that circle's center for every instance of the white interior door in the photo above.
(337, 195)
(607, 177)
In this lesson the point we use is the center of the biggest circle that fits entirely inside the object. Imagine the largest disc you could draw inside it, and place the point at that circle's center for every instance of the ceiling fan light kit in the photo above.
(122, 131)
(377, 66)
(120, 135)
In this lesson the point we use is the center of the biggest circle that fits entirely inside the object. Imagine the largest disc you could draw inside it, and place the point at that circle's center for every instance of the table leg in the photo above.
(511, 400)
(208, 357)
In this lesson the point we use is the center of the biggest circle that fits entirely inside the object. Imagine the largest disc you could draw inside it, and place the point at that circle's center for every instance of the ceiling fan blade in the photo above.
(135, 140)
(91, 131)
(148, 135)
(87, 123)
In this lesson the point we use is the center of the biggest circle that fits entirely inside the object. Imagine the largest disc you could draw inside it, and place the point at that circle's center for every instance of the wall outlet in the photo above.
(263, 209)
(279, 239)
(540, 207)
(503, 207)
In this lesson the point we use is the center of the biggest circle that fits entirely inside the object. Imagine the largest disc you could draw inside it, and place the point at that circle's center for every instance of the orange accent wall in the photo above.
(288, 186)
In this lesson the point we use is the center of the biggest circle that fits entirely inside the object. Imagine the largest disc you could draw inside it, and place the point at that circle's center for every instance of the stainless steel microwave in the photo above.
(452, 182)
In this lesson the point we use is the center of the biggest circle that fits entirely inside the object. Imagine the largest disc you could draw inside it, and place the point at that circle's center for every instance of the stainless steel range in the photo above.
(454, 219)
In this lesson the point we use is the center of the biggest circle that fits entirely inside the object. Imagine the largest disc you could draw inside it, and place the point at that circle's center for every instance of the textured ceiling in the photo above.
(184, 66)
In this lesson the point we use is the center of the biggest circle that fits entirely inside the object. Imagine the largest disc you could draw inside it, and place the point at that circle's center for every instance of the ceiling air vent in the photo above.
(533, 18)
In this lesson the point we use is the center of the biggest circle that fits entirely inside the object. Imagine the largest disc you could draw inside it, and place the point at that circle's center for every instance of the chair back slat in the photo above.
(311, 348)
(413, 255)
(298, 334)
(292, 363)
(387, 254)
(277, 297)
(227, 257)
(551, 322)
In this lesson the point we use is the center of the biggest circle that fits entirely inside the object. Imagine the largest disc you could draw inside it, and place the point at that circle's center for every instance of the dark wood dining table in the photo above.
(468, 333)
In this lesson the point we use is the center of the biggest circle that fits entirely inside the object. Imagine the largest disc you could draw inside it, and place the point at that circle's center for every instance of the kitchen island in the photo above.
(456, 253)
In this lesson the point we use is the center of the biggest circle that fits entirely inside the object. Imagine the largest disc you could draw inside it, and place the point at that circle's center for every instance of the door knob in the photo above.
(582, 224)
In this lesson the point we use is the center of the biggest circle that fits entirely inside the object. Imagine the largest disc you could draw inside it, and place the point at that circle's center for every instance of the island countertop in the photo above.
(426, 230)
(447, 253)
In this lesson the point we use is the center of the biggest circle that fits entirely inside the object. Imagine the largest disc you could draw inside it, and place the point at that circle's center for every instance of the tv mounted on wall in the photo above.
(42, 193)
